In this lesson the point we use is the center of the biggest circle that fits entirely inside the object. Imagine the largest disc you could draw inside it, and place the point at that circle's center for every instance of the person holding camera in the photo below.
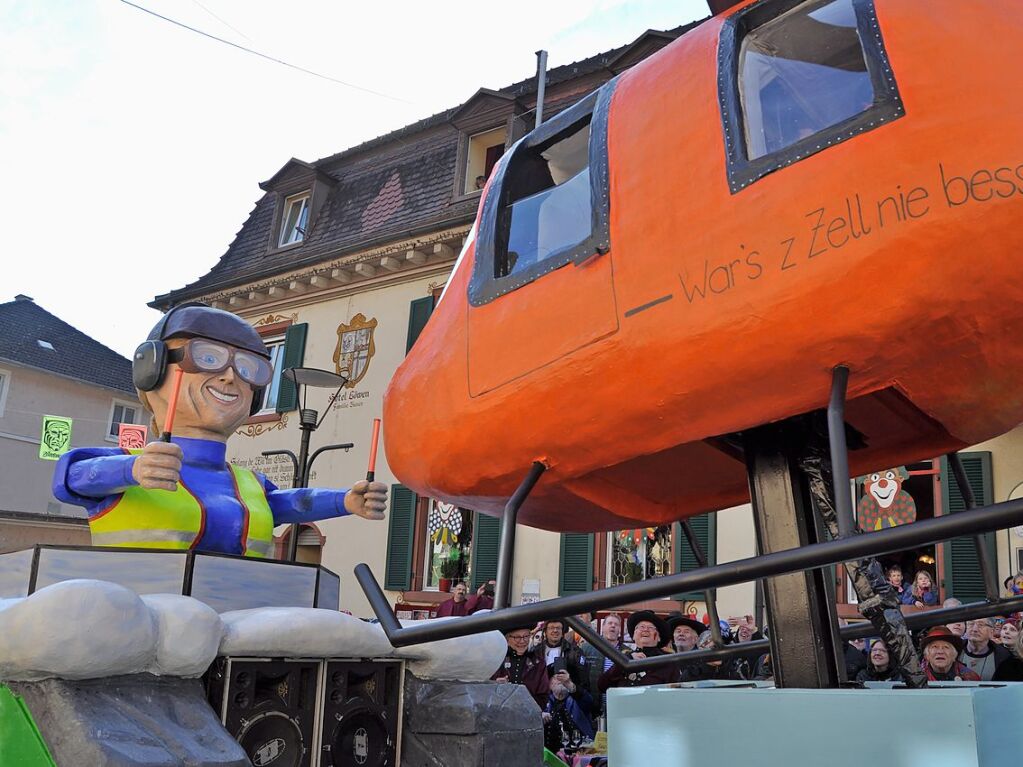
(483, 599)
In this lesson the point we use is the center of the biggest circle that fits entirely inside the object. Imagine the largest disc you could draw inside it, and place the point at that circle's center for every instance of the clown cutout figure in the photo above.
(884, 502)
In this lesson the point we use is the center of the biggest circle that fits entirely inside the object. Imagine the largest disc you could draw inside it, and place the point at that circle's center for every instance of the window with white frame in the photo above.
(295, 219)
(275, 346)
(485, 149)
(448, 546)
(5, 383)
(121, 412)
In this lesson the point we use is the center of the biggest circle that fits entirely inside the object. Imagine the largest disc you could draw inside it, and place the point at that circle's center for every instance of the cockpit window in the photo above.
(548, 203)
(797, 76)
(549, 208)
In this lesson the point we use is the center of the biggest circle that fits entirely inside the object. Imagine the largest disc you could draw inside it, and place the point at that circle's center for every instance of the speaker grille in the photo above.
(269, 707)
(360, 713)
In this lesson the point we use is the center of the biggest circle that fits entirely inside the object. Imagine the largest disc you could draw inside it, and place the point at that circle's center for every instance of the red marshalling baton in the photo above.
(172, 405)
(371, 473)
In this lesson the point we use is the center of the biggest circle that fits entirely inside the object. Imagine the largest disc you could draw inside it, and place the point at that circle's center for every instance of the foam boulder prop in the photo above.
(301, 632)
(188, 635)
(469, 659)
(78, 629)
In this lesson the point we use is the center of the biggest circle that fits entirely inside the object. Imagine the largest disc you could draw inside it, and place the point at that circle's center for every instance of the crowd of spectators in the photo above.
(568, 678)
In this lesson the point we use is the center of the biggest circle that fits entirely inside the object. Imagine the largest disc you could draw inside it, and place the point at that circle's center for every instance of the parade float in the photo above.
(779, 251)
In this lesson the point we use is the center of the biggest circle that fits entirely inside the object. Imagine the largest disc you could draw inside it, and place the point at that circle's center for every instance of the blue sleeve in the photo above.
(86, 474)
(303, 504)
(930, 598)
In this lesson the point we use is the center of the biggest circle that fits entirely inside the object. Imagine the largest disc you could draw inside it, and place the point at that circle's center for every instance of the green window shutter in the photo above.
(293, 357)
(576, 571)
(486, 541)
(401, 530)
(418, 314)
(705, 527)
(963, 577)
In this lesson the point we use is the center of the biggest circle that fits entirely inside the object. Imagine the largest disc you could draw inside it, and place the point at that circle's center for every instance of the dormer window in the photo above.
(295, 219)
(485, 149)
(548, 203)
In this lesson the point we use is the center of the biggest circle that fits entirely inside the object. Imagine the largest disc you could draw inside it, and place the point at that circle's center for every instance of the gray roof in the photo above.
(24, 324)
(393, 187)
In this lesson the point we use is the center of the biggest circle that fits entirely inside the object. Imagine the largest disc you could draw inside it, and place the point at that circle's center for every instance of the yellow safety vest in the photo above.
(176, 519)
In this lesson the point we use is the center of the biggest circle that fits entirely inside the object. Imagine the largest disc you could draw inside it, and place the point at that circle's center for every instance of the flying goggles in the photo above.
(199, 355)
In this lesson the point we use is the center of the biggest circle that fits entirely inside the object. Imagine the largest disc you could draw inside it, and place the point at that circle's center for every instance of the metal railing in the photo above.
(921, 533)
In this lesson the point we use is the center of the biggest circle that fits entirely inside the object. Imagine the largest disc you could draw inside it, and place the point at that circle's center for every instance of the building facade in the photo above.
(47, 367)
(339, 266)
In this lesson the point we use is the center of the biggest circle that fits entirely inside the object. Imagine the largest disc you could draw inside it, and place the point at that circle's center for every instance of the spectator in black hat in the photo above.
(650, 634)
(685, 632)
(522, 666)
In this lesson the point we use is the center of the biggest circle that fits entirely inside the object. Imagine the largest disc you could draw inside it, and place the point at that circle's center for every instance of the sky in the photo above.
(131, 149)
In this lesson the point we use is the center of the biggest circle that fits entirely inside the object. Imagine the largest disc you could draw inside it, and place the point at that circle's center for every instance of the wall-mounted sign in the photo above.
(55, 439)
(355, 349)
(132, 436)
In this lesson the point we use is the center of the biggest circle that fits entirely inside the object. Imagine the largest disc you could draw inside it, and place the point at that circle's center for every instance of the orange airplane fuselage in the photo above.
(723, 299)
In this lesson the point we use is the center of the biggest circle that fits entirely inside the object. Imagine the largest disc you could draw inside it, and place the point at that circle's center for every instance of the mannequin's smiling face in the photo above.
(210, 405)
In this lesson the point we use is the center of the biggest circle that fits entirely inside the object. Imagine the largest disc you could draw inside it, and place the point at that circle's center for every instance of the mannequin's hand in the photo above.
(367, 499)
(158, 467)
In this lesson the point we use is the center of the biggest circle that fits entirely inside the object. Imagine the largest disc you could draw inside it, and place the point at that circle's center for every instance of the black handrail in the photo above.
(921, 533)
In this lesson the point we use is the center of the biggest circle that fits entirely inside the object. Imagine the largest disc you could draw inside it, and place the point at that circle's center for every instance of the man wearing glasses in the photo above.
(520, 666)
(206, 365)
(982, 655)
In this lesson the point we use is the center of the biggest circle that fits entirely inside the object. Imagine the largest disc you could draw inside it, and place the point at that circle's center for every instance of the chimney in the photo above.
(22, 297)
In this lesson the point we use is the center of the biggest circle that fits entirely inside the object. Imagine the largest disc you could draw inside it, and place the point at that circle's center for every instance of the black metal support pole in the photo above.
(839, 451)
(987, 567)
(506, 555)
(801, 615)
(307, 418)
(921, 533)
(708, 595)
(758, 603)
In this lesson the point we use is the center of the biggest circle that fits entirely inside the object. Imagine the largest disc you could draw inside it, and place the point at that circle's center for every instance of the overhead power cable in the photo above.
(222, 21)
(265, 56)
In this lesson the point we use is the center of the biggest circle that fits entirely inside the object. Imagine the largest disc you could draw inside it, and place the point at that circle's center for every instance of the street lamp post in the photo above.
(309, 421)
